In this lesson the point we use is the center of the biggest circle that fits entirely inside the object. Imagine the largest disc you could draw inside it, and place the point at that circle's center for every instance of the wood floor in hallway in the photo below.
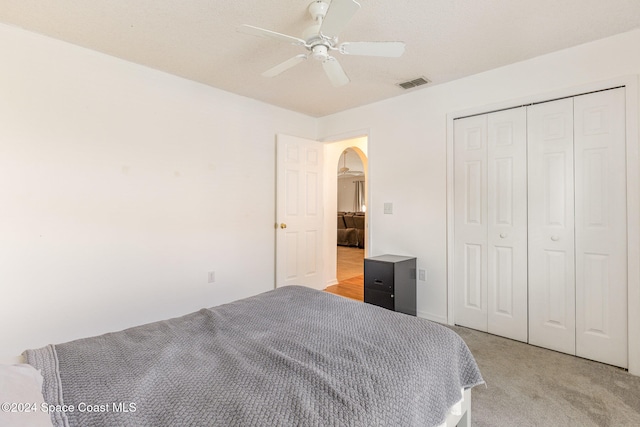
(350, 274)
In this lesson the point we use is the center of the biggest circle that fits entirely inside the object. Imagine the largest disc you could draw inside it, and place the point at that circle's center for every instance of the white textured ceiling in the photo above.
(446, 40)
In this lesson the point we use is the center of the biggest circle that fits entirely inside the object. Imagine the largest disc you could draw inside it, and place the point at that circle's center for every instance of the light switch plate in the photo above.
(388, 208)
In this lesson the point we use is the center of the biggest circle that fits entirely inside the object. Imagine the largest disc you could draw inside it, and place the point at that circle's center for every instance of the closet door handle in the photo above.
(555, 238)
(503, 235)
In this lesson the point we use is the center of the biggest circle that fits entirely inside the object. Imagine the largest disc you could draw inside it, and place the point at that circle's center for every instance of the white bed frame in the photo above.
(464, 419)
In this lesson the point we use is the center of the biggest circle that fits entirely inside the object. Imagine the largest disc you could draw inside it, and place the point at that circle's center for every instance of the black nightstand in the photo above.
(390, 282)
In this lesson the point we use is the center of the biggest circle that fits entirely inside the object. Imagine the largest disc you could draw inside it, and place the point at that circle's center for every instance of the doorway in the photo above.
(351, 227)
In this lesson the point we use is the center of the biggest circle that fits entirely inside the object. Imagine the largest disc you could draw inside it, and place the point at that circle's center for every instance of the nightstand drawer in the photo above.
(378, 276)
(379, 298)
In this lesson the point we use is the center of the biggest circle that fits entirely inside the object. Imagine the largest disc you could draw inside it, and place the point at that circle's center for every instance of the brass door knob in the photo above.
(283, 225)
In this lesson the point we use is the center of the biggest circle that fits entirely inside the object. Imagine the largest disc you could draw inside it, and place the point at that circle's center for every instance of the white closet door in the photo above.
(470, 222)
(601, 256)
(507, 223)
(551, 226)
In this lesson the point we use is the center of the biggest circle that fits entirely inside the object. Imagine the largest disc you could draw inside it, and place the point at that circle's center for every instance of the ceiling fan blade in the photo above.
(261, 32)
(334, 71)
(387, 49)
(289, 63)
(338, 16)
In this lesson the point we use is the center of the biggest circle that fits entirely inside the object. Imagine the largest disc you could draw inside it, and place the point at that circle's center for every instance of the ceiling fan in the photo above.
(345, 171)
(322, 37)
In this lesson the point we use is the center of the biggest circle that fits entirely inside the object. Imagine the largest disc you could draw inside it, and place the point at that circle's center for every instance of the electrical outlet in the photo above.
(211, 277)
(422, 275)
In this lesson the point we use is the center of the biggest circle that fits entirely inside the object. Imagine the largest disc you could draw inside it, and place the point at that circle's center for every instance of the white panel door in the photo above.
(470, 222)
(299, 212)
(601, 255)
(507, 223)
(551, 225)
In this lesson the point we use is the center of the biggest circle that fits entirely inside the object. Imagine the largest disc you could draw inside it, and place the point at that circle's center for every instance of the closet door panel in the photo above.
(507, 223)
(551, 225)
(470, 222)
(601, 257)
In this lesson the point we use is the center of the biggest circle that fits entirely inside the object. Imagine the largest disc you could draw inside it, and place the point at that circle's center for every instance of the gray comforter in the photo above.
(288, 357)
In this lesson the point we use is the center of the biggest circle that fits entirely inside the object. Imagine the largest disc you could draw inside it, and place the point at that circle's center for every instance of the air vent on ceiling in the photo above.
(413, 83)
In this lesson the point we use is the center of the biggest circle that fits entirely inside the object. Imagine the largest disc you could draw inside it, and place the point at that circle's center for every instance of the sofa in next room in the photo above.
(351, 229)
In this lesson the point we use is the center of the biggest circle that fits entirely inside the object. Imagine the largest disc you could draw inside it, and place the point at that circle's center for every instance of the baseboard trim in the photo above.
(331, 282)
(432, 317)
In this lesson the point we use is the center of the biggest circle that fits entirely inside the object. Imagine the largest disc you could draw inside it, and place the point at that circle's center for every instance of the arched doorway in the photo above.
(352, 219)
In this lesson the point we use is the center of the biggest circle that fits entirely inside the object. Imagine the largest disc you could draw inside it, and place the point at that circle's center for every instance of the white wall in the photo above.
(347, 193)
(121, 189)
(416, 123)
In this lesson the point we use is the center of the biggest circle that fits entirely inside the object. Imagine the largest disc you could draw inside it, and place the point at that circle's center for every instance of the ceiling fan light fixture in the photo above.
(319, 52)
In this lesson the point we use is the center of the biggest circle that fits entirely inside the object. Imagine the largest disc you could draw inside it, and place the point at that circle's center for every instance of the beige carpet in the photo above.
(532, 386)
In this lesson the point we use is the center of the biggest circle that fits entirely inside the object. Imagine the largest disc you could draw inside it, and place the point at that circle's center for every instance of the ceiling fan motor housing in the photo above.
(319, 52)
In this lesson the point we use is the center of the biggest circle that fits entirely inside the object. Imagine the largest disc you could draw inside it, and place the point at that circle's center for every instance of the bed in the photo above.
(288, 357)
